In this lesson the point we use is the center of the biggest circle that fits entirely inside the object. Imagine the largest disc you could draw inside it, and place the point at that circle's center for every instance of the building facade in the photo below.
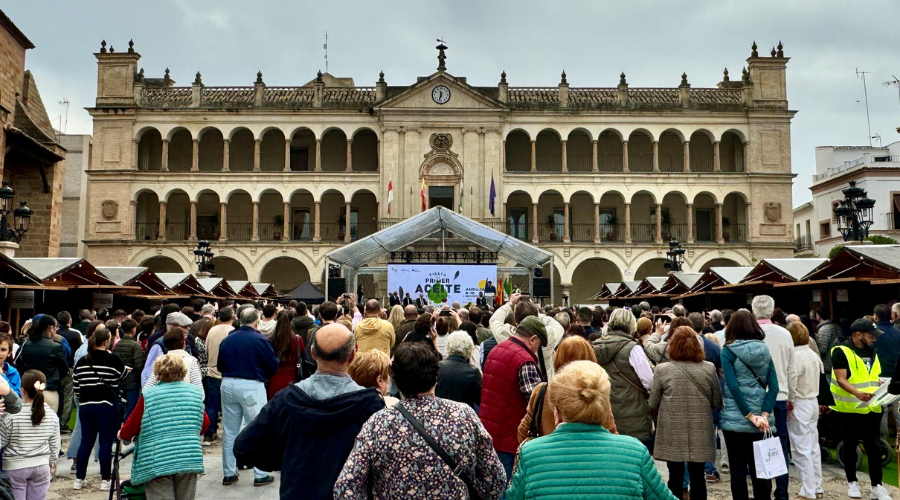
(78, 159)
(874, 169)
(277, 177)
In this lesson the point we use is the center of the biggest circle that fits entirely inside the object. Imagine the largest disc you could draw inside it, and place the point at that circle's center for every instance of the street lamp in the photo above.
(21, 216)
(855, 213)
(203, 257)
(676, 257)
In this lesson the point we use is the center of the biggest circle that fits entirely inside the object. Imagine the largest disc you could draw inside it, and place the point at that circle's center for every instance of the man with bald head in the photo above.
(307, 430)
(410, 313)
(374, 332)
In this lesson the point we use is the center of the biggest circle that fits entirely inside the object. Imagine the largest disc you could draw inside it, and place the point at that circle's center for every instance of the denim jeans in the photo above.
(131, 400)
(891, 408)
(781, 482)
(97, 420)
(213, 404)
(75, 442)
(242, 400)
(507, 459)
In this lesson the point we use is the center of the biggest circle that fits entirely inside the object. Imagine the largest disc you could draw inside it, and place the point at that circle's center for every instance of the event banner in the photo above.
(441, 283)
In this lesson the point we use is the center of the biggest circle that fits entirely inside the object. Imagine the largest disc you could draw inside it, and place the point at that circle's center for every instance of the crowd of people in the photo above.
(351, 400)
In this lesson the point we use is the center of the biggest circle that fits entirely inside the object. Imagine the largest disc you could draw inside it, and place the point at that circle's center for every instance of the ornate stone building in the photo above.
(278, 176)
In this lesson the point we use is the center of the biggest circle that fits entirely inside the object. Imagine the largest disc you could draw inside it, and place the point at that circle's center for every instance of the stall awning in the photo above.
(606, 291)
(307, 292)
(244, 289)
(679, 283)
(862, 261)
(266, 290)
(218, 287)
(772, 271)
(67, 272)
(184, 283)
(626, 288)
(150, 286)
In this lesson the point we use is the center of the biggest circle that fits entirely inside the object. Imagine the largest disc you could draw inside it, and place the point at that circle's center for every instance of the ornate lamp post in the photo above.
(21, 216)
(676, 257)
(854, 213)
(203, 257)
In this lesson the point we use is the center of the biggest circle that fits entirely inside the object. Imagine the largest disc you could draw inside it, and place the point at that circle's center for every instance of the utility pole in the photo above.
(326, 51)
(866, 92)
(65, 102)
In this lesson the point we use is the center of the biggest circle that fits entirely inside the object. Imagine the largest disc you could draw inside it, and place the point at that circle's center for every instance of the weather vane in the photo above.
(441, 56)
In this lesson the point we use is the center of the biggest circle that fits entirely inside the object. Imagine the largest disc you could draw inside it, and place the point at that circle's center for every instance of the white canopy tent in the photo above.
(437, 219)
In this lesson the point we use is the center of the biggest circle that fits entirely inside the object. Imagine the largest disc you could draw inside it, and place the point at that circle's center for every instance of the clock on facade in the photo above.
(440, 94)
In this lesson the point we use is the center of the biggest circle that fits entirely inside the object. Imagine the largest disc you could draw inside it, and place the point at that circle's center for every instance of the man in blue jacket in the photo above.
(246, 360)
(308, 429)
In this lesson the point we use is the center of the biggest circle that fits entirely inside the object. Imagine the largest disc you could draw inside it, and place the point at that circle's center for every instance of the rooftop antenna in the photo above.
(877, 137)
(893, 83)
(65, 102)
(326, 51)
(863, 74)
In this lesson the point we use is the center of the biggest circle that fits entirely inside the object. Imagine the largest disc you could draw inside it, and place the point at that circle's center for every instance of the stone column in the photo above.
(655, 156)
(746, 151)
(659, 223)
(625, 157)
(134, 219)
(534, 222)
(503, 155)
(223, 220)
(627, 222)
(749, 221)
(135, 146)
(687, 156)
(566, 236)
(347, 222)
(256, 144)
(566, 289)
(690, 222)
(378, 153)
(193, 236)
(719, 238)
(565, 161)
(716, 162)
(287, 155)
(349, 155)
(162, 221)
(255, 235)
(533, 156)
(317, 235)
(594, 167)
(596, 223)
(164, 161)
(285, 233)
(226, 155)
(195, 156)
(318, 155)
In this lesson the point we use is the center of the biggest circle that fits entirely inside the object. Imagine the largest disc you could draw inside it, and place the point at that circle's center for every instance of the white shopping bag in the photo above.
(769, 457)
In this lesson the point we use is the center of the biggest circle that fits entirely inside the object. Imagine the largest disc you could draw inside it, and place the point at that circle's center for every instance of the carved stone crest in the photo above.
(773, 211)
(441, 162)
(441, 142)
(109, 209)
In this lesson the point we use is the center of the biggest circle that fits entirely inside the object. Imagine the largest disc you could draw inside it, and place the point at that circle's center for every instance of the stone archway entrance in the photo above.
(442, 173)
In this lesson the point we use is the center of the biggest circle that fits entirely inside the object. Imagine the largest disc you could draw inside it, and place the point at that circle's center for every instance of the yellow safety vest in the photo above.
(860, 379)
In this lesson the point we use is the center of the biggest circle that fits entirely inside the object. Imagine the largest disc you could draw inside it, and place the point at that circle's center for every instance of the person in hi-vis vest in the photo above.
(855, 376)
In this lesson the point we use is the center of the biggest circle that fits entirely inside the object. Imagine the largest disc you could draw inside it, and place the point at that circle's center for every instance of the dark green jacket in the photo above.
(627, 397)
(131, 354)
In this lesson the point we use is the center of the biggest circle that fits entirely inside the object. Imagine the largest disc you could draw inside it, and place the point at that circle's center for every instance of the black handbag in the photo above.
(473, 494)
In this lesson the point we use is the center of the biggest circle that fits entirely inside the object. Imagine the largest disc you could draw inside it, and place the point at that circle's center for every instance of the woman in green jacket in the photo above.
(609, 467)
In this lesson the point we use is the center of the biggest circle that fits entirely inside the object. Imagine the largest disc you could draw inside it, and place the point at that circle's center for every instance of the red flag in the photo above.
(390, 194)
(422, 194)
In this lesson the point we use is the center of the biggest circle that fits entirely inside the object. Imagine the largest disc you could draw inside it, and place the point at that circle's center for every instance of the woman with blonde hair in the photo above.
(609, 466)
(373, 369)
(166, 460)
(569, 350)
(396, 317)
(803, 421)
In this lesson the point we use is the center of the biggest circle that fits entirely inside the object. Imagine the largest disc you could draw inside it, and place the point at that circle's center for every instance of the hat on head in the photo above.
(865, 326)
(177, 318)
(531, 325)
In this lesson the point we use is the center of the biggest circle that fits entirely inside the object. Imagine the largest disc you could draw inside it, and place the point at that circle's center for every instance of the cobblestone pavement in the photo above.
(210, 485)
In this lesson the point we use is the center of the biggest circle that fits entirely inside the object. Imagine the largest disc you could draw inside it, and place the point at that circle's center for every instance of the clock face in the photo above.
(440, 94)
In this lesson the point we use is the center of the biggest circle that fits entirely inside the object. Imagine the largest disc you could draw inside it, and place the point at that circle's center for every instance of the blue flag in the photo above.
(493, 195)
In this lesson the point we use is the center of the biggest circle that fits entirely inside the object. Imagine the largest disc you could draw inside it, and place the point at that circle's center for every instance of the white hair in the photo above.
(715, 316)
(896, 309)
(763, 306)
(460, 343)
(623, 321)
(249, 316)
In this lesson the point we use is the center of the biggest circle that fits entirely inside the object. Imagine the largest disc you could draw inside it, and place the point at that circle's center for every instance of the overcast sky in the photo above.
(652, 42)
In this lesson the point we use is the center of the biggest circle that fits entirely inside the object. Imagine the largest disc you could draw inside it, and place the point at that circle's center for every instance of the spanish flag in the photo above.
(422, 194)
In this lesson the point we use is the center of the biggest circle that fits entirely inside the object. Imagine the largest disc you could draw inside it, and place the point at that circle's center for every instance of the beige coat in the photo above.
(684, 427)
(374, 333)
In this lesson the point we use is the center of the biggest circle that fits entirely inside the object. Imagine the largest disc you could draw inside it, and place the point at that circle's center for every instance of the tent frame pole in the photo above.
(552, 282)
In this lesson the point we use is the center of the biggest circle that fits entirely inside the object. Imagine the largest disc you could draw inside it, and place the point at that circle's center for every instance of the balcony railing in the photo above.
(674, 232)
(146, 231)
(803, 242)
(643, 233)
(609, 162)
(866, 159)
(580, 162)
(177, 231)
(239, 231)
(671, 163)
(638, 162)
(612, 232)
(581, 233)
(734, 233)
(702, 163)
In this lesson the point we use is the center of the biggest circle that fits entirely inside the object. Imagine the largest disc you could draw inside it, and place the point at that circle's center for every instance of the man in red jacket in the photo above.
(510, 375)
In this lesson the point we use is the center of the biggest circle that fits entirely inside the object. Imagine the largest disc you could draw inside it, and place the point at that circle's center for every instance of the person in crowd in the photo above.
(173, 341)
(393, 300)
(147, 327)
(407, 325)
(518, 309)
(395, 318)
(374, 332)
(802, 424)
(308, 432)
(75, 441)
(828, 335)
(9, 372)
(751, 387)
(630, 374)
(584, 319)
(407, 300)
(289, 348)
(84, 320)
(442, 328)
(856, 366)
(569, 350)
(459, 380)
(72, 336)
(303, 323)
(888, 347)
(423, 331)
(781, 349)
(40, 352)
(685, 391)
(510, 375)
(395, 461)
(207, 315)
(564, 321)
(30, 440)
(477, 315)
(97, 376)
(245, 360)
(328, 314)
(373, 369)
(166, 462)
(213, 387)
(129, 351)
(716, 323)
(268, 321)
(618, 467)
(160, 325)
(157, 347)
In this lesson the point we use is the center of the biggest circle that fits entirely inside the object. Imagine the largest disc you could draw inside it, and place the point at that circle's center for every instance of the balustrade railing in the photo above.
(640, 162)
(581, 232)
(671, 163)
(803, 242)
(702, 163)
(146, 231)
(734, 233)
(239, 231)
(177, 231)
(612, 232)
(608, 162)
(580, 162)
(643, 233)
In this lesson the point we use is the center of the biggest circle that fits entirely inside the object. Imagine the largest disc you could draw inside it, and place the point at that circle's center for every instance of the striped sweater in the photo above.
(96, 378)
(26, 445)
